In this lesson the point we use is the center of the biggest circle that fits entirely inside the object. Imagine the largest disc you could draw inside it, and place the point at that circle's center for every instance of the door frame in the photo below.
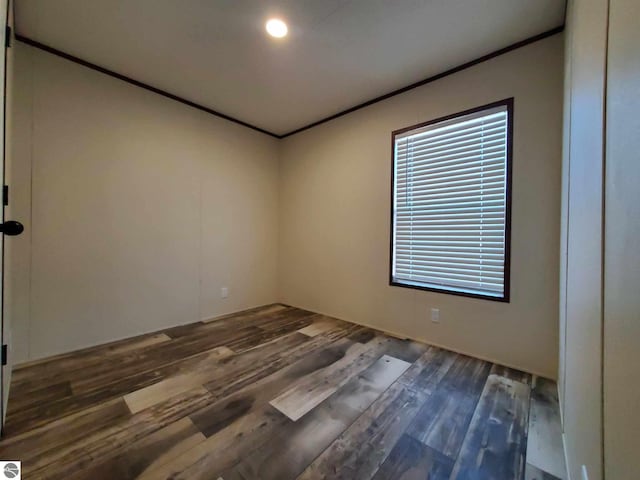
(5, 9)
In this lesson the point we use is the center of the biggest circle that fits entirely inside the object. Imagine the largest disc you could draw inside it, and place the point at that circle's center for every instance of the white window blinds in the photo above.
(450, 204)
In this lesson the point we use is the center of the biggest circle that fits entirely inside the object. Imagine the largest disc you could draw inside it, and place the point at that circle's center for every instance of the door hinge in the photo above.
(7, 37)
(5, 195)
(4, 355)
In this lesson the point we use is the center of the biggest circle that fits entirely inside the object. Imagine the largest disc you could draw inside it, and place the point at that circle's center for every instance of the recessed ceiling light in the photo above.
(277, 28)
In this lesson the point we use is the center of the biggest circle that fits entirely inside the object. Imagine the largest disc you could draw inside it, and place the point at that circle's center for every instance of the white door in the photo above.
(6, 373)
(7, 227)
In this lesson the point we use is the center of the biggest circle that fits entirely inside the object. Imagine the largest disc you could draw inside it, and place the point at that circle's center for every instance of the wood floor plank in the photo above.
(163, 354)
(131, 383)
(259, 392)
(412, 460)
(249, 318)
(252, 317)
(231, 335)
(89, 365)
(116, 438)
(407, 350)
(302, 441)
(359, 451)
(254, 365)
(39, 415)
(495, 444)
(362, 335)
(251, 314)
(143, 342)
(148, 453)
(37, 369)
(511, 373)
(229, 364)
(223, 448)
(37, 442)
(244, 419)
(289, 322)
(35, 398)
(94, 373)
(304, 395)
(262, 425)
(198, 375)
(192, 402)
(183, 330)
(34, 416)
(444, 418)
(319, 325)
(261, 338)
(346, 330)
(427, 372)
(545, 449)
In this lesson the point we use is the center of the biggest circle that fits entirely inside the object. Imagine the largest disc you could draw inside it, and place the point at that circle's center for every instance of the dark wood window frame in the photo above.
(509, 103)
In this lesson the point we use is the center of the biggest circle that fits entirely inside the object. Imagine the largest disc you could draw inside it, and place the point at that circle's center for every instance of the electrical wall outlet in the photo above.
(435, 315)
(224, 292)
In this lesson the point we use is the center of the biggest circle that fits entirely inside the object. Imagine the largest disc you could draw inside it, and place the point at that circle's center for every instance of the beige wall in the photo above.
(581, 277)
(334, 215)
(141, 210)
(622, 234)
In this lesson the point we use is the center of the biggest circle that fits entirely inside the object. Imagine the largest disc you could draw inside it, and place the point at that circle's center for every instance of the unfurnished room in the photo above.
(320, 239)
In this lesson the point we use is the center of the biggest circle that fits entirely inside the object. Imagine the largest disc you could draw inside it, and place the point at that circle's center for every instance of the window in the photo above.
(451, 203)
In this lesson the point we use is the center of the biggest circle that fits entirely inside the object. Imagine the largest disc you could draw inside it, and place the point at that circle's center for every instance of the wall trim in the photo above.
(464, 66)
(137, 83)
(420, 83)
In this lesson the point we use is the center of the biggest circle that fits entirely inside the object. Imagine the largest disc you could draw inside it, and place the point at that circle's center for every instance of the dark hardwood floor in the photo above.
(273, 393)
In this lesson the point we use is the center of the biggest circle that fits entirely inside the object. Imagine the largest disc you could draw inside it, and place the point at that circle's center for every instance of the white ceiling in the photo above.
(339, 53)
